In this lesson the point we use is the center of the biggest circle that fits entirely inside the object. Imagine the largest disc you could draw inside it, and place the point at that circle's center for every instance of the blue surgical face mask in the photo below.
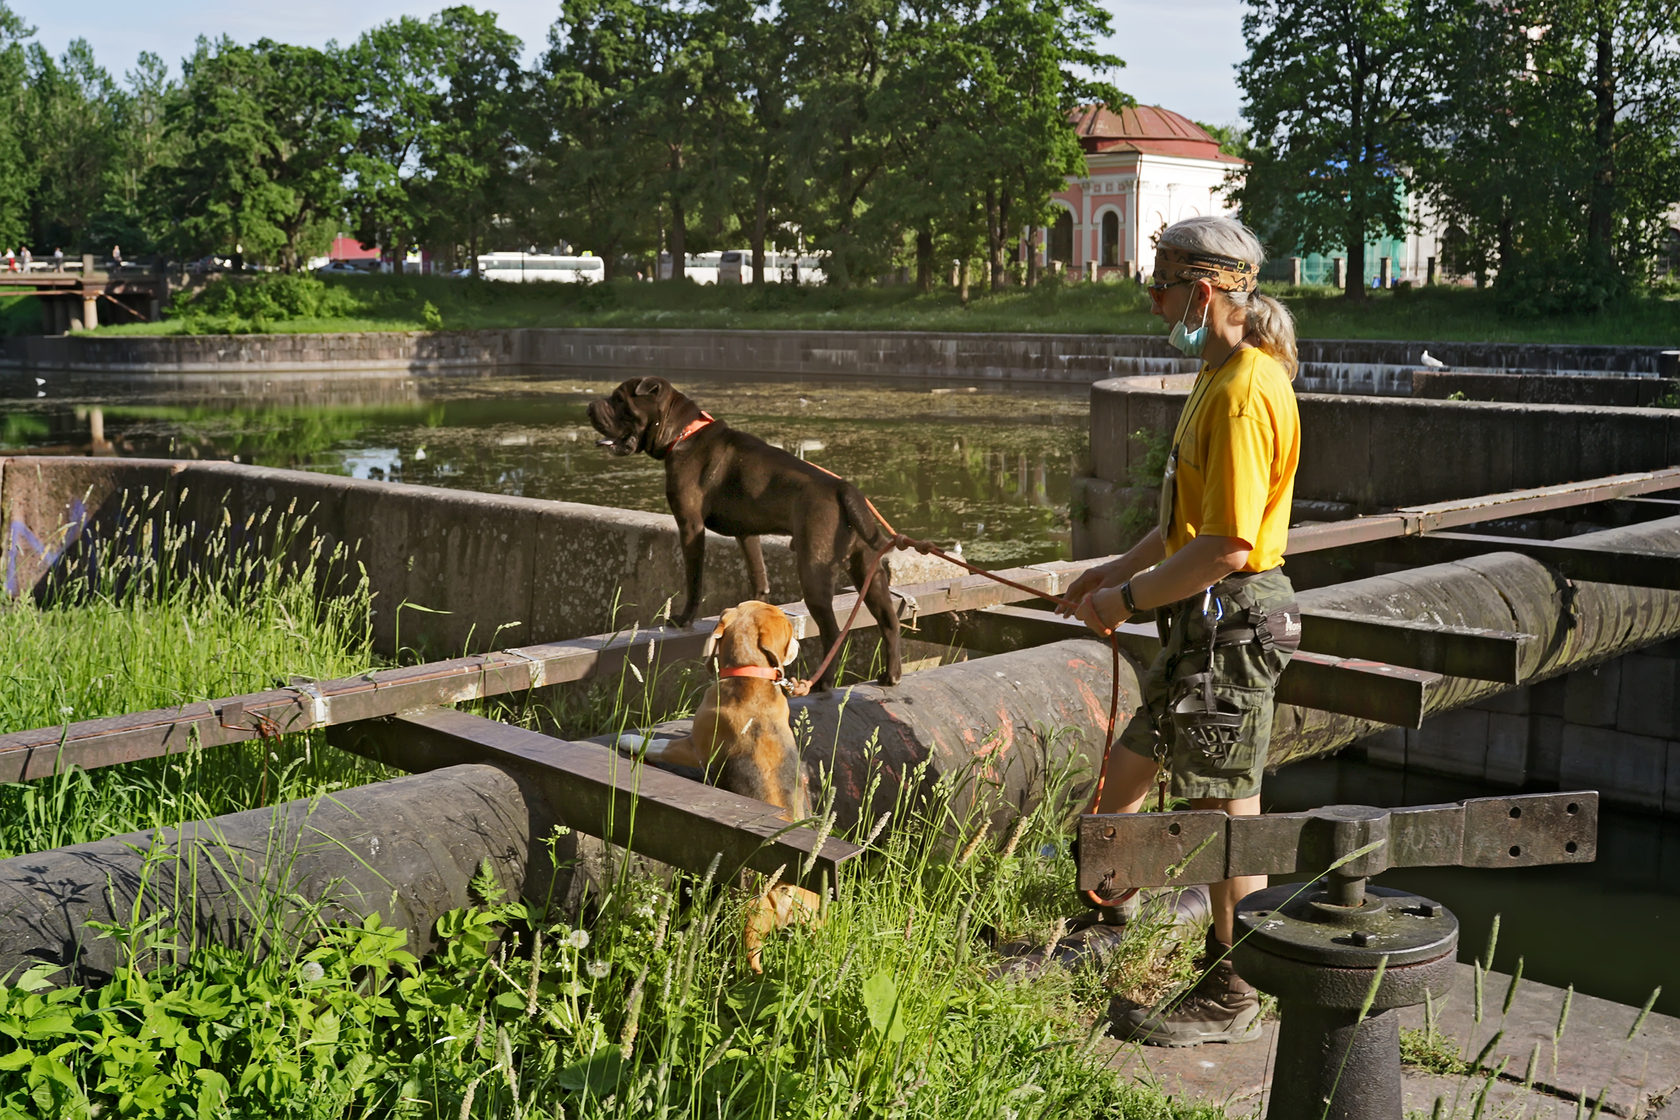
(1189, 342)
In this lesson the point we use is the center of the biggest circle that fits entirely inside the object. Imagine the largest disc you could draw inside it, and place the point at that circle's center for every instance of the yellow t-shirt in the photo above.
(1239, 441)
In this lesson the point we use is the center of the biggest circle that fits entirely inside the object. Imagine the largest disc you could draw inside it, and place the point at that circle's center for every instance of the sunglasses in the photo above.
(1158, 288)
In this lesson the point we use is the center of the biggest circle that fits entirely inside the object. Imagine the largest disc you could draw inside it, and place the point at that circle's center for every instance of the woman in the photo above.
(1212, 568)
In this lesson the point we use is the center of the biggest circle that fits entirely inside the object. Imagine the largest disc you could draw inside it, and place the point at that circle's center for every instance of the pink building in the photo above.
(1146, 168)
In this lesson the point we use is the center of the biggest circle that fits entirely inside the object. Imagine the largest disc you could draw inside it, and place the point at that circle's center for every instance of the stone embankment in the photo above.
(1328, 365)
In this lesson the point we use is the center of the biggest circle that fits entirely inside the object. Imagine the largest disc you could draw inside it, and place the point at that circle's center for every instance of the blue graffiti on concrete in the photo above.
(21, 543)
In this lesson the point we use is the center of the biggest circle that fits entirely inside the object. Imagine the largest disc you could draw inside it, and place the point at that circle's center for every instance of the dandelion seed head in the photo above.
(578, 939)
(311, 971)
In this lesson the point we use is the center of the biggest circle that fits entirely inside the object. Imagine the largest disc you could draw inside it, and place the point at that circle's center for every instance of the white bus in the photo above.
(734, 266)
(526, 268)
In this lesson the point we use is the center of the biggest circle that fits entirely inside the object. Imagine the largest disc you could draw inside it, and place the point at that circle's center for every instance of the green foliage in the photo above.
(1556, 159)
(247, 304)
(1337, 99)
(264, 133)
(887, 1007)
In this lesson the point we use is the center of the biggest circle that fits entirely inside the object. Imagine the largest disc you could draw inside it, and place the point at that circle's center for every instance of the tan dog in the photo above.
(742, 742)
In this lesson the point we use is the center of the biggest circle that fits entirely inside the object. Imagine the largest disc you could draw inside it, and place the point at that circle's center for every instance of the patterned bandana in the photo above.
(1228, 274)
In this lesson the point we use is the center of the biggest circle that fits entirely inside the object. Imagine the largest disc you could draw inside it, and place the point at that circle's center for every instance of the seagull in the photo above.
(1432, 362)
(40, 381)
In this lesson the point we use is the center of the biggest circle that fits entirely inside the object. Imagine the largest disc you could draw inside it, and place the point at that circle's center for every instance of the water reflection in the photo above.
(990, 469)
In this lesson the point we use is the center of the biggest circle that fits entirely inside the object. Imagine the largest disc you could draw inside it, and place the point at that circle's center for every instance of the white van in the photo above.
(526, 268)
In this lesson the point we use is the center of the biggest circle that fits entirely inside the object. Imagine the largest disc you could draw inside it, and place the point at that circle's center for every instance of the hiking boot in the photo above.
(1222, 1007)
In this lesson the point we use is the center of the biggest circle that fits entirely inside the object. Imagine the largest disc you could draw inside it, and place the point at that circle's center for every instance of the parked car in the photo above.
(340, 268)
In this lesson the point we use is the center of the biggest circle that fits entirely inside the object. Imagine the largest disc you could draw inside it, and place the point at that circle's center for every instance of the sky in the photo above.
(1181, 56)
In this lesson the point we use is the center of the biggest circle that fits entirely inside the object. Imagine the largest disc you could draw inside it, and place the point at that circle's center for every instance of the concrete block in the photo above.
(1626, 769)
(1507, 749)
(1592, 696)
(1671, 790)
(1386, 748)
(1511, 702)
(1453, 742)
(1650, 695)
(1545, 749)
(1547, 697)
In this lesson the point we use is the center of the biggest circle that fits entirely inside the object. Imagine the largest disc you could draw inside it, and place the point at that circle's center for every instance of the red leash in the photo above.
(897, 540)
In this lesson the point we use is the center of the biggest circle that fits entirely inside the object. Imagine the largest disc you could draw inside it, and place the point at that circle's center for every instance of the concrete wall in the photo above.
(1366, 453)
(1614, 728)
(263, 352)
(505, 571)
(1357, 366)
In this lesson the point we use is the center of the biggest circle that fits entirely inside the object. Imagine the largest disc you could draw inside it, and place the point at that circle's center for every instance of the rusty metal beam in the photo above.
(1412, 520)
(89, 744)
(1454, 651)
(598, 791)
(1205, 845)
(1355, 687)
(1656, 570)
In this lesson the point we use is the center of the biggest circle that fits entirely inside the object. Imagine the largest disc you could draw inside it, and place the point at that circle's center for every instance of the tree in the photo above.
(1339, 98)
(595, 159)
(71, 137)
(471, 144)
(398, 68)
(1560, 157)
(265, 134)
(15, 175)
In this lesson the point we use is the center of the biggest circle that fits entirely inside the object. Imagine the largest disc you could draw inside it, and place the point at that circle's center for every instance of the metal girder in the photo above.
(1655, 570)
(1118, 850)
(1412, 520)
(1454, 651)
(598, 791)
(1359, 688)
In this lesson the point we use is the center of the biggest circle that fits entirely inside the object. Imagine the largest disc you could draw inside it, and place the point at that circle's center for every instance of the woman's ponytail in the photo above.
(1271, 322)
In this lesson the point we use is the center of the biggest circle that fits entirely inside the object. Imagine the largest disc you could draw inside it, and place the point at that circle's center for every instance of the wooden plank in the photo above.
(599, 791)
(1361, 687)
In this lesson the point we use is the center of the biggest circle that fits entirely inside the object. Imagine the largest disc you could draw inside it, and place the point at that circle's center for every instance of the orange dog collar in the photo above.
(693, 426)
(761, 671)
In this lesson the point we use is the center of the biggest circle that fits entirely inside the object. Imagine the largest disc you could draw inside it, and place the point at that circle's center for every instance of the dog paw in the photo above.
(635, 745)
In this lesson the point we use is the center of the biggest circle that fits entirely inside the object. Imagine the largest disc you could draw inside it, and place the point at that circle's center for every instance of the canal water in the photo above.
(989, 468)
(986, 468)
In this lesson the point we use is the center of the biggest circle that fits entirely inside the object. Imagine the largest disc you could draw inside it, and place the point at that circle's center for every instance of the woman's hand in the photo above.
(1102, 610)
(1090, 581)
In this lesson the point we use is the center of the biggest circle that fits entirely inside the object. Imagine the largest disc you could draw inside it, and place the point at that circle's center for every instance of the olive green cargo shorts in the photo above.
(1210, 720)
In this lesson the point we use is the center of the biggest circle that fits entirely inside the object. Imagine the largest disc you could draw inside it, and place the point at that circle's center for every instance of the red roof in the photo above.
(349, 249)
(1144, 128)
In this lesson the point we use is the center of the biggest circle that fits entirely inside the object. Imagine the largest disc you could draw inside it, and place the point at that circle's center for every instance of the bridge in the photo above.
(73, 293)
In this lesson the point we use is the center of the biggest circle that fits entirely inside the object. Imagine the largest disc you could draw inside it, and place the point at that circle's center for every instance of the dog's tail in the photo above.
(865, 521)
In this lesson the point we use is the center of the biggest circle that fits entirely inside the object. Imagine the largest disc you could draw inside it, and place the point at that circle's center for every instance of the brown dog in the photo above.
(742, 742)
(732, 483)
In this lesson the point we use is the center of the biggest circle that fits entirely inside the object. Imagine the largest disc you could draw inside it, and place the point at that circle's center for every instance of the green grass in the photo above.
(135, 627)
(399, 303)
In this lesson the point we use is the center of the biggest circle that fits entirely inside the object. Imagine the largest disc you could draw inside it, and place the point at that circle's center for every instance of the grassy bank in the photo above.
(405, 303)
(886, 1009)
(160, 617)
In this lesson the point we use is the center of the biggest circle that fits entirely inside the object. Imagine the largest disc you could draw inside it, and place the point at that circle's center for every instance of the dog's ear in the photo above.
(650, 386)
(775, 637)
(725, 621)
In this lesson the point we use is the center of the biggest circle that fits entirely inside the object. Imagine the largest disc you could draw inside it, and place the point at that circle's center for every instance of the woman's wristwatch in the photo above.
(1126, 597)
